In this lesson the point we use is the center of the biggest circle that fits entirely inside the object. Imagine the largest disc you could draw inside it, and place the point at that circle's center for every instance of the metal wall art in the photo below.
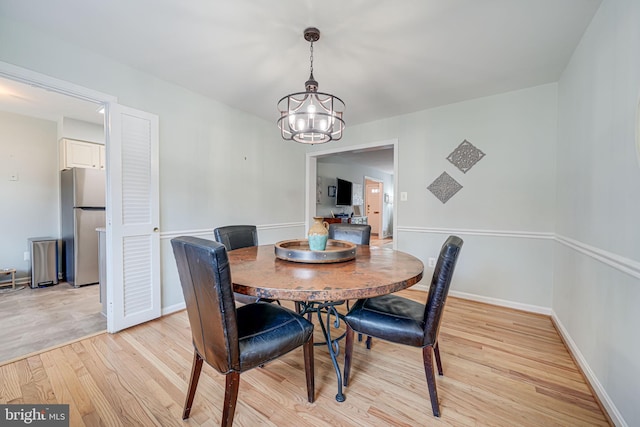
(465, 156)
(444, 187)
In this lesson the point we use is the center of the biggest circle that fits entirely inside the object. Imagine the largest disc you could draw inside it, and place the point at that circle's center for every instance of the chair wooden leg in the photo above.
(427, 356)
(230, 398)
(368, 342)
(348, 350)
(436, 351)
(196, 368)
(309, 370)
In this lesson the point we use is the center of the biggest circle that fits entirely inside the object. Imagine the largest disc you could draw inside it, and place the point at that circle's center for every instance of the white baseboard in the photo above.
(502, 303)
(493, 301)
(606, 401)
(173, 308)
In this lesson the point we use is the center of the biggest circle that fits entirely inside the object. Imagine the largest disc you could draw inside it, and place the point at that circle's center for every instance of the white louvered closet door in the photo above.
(133, 238)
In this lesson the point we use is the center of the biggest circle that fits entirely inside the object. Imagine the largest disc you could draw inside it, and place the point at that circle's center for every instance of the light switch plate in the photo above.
(403, 196)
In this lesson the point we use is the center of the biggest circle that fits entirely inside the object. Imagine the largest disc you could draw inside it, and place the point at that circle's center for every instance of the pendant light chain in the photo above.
(311, 57)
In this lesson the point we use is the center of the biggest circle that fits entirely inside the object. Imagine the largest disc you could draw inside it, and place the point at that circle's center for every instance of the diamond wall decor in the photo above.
(444, 187)
(465, 156)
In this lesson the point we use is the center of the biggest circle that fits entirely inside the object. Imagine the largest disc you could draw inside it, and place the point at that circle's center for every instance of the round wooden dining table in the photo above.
(319, 288)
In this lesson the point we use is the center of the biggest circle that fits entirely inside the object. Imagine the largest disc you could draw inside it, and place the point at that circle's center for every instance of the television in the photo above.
(344, 192)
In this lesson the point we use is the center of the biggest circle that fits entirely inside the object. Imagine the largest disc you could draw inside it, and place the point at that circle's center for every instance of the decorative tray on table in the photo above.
(298, 251)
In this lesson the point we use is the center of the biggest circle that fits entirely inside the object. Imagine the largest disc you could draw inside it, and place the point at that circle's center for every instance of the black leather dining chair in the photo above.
(232, 340)
(359, 234)
(403, 321)
(236, 237)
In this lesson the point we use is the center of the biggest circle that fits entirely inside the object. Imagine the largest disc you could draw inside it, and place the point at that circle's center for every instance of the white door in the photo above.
(133, 238)
(373, 201)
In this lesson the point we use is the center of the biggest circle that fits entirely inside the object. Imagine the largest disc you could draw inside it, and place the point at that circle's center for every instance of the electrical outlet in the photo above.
(27, 256)
(432, 262)
(13, 176)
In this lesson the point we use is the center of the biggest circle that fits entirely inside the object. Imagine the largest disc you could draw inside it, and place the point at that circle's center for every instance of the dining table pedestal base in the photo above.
(328, 317)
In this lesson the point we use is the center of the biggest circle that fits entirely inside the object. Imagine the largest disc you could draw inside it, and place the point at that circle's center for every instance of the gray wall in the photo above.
(29, 205)
(80, 130)
(505, 210)
(596, 292)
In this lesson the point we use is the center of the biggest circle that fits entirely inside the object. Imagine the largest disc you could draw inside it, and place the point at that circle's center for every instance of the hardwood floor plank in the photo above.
(42, 387)
(9, 383)
(66, 373)
(102, 382)
(502, 367)
(157, 402)
(108, 414)
(60, 390)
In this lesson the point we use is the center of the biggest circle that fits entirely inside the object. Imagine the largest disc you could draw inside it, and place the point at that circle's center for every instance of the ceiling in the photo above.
(380, 158)
(33, 101)
(383, 58)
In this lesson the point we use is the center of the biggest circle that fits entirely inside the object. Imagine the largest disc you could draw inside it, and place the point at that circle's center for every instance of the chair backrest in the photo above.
(205, 277)
(440, 288)
(355, 233)
(237, 236)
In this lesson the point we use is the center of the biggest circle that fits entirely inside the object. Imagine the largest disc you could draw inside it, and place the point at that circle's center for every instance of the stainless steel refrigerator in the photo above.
(82, 197)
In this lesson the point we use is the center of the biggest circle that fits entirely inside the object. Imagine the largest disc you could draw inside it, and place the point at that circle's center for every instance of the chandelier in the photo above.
(311, 117)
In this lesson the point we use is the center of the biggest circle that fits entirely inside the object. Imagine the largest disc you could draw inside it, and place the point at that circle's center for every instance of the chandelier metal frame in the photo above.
(311, 117)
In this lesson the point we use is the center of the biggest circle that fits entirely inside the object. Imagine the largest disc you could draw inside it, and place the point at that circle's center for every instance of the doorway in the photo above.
(130, 236)
(374, 190)
(345, 154)
(45, 312)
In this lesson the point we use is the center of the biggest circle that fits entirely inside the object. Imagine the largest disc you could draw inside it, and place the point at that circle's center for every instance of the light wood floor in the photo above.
(383, 243)
(502, 367)
(32, 320)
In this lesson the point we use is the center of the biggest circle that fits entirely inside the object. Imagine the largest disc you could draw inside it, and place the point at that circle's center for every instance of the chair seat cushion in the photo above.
(267, 331)
(389, 317)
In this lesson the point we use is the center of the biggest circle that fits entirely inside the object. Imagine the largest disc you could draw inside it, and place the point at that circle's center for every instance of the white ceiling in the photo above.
(380, 158)
(383, 58)
(33, 101)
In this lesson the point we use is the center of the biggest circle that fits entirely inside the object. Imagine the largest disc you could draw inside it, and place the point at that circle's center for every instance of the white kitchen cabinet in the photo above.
(81, 154)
